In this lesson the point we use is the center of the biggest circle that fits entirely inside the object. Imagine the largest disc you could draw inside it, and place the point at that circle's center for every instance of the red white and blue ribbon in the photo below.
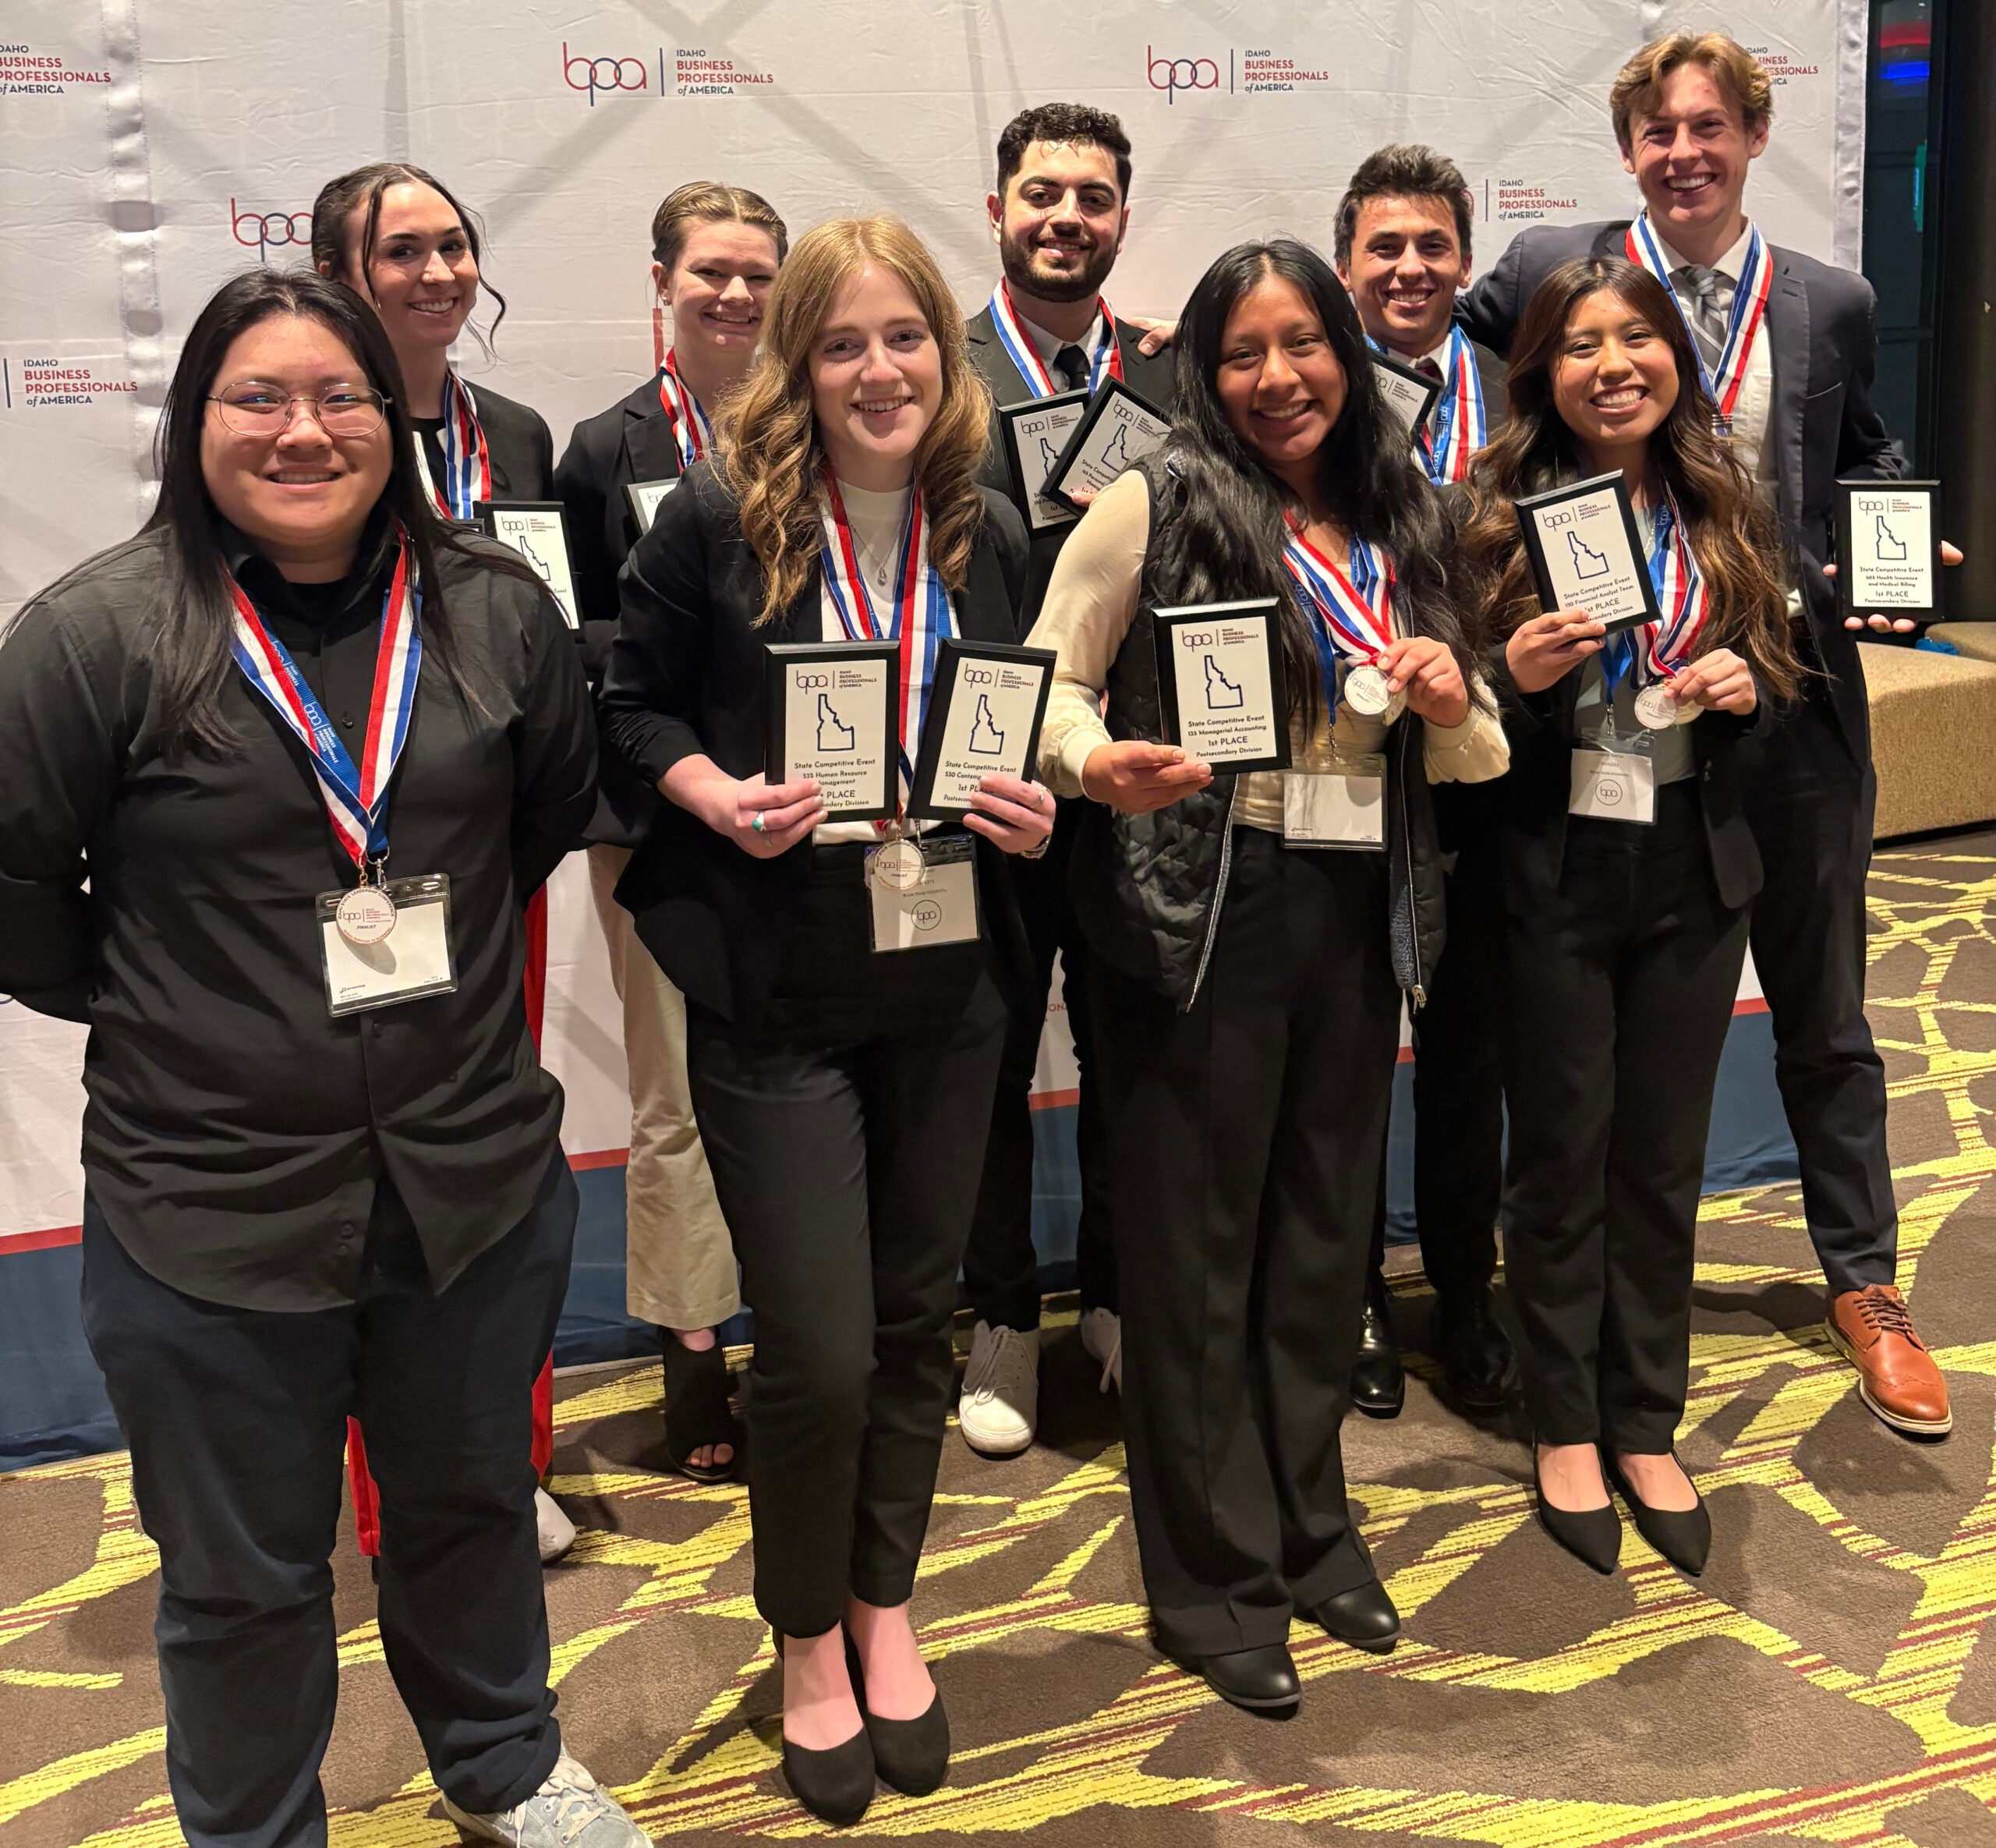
(692, 430)
(918, 618)
(1657, 651)
(1460, 425)
(1750, 309)
(1021, 351)
(1353, 607)
(356, 796)
(467, 467)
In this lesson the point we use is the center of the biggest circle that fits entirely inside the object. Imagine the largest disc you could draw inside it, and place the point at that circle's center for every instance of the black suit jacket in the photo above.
(1823, 343)
(687, 676)
(633, 440)
(1149, 376)
(518, 445)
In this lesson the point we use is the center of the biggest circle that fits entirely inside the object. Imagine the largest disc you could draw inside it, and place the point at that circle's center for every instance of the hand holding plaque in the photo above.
(1221, 688)
(1035, 434)
(1889, 551)
(1586, 552)
(1118, 429)
(985, 702)
(832, 722)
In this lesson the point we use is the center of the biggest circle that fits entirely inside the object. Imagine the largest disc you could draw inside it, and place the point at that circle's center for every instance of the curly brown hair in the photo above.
(771, 456)
(1731, 530)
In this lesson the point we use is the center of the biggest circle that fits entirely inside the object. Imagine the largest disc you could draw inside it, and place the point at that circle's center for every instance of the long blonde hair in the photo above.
(770, 454)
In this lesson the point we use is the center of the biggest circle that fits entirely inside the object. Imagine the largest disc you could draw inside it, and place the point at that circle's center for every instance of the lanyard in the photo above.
(1460, 425)
(692, 431)
(1749, 305)
(919, 617)
(1023, 354)
(1354, 612)
(356, 798)
(467, 467)
(1682, 595)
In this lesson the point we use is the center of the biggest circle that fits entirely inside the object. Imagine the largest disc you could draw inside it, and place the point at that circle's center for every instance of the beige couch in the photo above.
(1934, 732)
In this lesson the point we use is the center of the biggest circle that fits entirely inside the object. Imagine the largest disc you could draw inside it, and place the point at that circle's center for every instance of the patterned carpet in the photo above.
(1826, 1681)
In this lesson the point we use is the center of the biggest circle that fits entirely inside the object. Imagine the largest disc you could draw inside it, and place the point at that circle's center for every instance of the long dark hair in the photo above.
(1221, 531)
(193, 664)
(333, 210)
(1731, 531)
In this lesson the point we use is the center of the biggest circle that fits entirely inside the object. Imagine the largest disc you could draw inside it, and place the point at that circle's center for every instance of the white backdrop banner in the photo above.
(155, 147)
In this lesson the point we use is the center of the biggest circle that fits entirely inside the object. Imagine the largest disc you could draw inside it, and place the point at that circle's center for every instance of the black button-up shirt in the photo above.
(235, 1130)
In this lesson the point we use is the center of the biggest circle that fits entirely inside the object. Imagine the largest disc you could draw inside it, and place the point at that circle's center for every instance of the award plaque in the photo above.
(1409, 396)
(646, 497)
(1035, 433)
(1117, 429)
(1586, 552)
(986, 703)
(1220, 684)
(832, 719)
(534, 529)
(1888, 549)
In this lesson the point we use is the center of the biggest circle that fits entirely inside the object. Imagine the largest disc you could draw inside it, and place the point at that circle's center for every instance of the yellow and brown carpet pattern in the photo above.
(1827, 1680)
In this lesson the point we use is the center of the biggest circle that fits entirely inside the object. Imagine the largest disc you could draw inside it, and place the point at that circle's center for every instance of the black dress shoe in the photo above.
(1260, 1680)
(1682, 1535)
(1363, 1617)
(836, 1784)
(912, 1756)
(1378, 1381)
(1593, 1535)
(1475, 1352)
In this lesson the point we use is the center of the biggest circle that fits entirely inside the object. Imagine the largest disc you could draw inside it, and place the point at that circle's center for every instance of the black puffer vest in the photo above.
(1148, 889)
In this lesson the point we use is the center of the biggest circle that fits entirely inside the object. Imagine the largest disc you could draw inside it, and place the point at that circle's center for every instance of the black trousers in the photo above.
(1459, 1082)
(1244, 1139)
(1811, 809)
(1622, 983)
(237, 1423)
(847, 1172)
(1001, 1270)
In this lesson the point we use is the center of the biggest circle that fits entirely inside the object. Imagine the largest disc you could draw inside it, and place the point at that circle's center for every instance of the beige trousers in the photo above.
(678, 1260)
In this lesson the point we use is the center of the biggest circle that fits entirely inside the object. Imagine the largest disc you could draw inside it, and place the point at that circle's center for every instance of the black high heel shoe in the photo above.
(1592, 1536)
(836, 1784)
(696, 1409)
(1682, 1535)
(912, 1756)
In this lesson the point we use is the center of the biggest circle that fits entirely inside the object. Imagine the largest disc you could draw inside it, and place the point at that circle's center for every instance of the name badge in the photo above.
(939, 908)
(411, 958)
(1612, 786)
(1333, 809)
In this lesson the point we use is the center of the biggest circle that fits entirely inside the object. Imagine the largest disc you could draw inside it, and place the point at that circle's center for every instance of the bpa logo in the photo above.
(264, 232)
(603, 73)
(1182, 73)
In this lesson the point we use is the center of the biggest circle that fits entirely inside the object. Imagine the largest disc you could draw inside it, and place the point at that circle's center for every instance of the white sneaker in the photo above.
(1000, 1402)
(571, 1810)
(1101, 1341)
(556, 1530)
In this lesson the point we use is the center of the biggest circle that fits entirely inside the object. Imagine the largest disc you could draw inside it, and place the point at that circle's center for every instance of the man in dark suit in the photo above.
(1058, 216)
(1691, 113)
(1402, 247)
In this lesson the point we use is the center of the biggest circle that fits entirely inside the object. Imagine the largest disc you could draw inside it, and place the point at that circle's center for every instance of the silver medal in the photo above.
(898, 865)
(365, 915)
(1368, 693)
(1656, 708)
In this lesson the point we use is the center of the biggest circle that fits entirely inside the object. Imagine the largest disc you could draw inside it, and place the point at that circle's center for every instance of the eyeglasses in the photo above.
(263, 411)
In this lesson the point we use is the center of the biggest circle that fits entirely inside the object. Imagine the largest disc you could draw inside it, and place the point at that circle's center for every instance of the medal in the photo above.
(1749, 306)
(1369, 693)
(692, 431)
(1658, 708)
(365, 915)
(899, 864)
(1025, 356)
(467, 465)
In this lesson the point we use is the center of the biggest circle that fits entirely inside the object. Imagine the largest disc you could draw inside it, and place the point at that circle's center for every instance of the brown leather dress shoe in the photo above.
(1896, 1376)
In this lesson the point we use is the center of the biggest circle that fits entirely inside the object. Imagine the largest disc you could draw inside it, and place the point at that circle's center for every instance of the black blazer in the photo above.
(1823, 345)
(632, 441)
(687, 675)
(518, 445)
(1149, 376)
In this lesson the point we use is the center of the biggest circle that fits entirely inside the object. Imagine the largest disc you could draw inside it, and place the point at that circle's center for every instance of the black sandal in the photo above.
(696, 1412)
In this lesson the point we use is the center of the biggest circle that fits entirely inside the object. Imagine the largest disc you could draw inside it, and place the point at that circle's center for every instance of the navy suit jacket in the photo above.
(1823, 345)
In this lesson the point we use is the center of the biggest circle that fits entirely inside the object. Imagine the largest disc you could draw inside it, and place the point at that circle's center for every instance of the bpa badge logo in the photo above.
(266, 232)
(604, 75)
(1173, 75)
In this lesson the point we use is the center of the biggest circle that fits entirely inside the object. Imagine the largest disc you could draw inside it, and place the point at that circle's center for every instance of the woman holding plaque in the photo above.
(842, 1086)
(1254, 933)
(1629, 868)
(278, 771)
(715, 251)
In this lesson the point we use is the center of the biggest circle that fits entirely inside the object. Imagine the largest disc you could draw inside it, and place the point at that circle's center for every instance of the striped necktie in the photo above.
(1713, 294)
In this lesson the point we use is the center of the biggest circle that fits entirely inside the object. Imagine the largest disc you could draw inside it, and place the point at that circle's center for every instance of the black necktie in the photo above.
(1428, 370)
(1074, 367)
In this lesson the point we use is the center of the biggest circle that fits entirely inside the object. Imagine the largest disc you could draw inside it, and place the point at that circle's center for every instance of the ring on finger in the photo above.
(755, 825)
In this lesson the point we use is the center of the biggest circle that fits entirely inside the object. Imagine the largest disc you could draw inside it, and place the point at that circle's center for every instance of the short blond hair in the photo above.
(1734, 68)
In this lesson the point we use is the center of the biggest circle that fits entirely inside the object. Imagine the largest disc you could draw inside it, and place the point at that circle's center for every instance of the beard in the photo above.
(1017, 257)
